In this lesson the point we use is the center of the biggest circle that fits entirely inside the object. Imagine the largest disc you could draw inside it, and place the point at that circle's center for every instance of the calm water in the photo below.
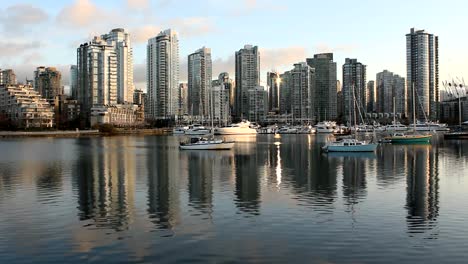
(140, 199)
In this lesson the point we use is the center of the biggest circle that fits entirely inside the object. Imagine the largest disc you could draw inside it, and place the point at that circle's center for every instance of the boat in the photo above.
(396, 126)
(326, 127)
(287, 130)
(431, 126)
(242, 128)
(456, 135)
(350, 145)
(200, 143)
(401, 138)
(180, 130)
(197, 130)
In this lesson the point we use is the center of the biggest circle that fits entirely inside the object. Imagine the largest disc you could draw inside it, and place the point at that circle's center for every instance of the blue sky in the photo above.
(48, 33)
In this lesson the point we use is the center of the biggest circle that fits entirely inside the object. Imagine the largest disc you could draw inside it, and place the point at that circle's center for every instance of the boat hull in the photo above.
(209, 146)
(456, 135)
(224, 131)
(410, 139)
(197, 133)
(357, 148)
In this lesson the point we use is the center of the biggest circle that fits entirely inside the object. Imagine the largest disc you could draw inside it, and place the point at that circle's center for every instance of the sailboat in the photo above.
(350, 144)
(402, 138)
(207, 143)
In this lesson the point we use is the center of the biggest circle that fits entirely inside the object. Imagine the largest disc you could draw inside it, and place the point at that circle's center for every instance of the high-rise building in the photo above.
(183, 99)
(422, 66)
(97, 75)
(247, 77)
(258, 104)
(163, 75)
(7, 77)
(48, 82)
(138, 97)
(220, 104)
(325, 101)
(285, 93)
(228, 84)
(302, 88)
(273, 82)
(199, 82)
(74, 81)
(120, 40)
(354, 89)
(371, 101)
(389, 86)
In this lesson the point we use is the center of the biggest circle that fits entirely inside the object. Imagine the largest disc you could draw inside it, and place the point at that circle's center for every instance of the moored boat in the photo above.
(350, 145)
(200, 143)
(197, 130)
(242, 128)
(401, 138)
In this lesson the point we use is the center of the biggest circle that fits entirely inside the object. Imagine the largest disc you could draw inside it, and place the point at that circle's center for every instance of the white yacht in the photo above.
(350, 145)
(326, 127)
(431, 126)
(242, 128)
(180, 130)
(396, 126)
(199, 143)
(287, 130)
(197, 129)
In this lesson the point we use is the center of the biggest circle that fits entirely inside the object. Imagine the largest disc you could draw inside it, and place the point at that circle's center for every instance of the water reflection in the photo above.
(422, 201)
(104, 178)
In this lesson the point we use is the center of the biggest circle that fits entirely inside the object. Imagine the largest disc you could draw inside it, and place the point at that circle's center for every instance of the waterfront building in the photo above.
(120, 40)
(354, 89)
(48, 82)
(199, 82)
(273, 82)
(220, 103)
(302, 89)
(325, 86)
(258, 104)
(122, 115)
(74, 81)
(422, 65)
(247, 78)
(97, 75)
(389, 86)
(7, 77)
(163, 75)
(25, 107)
(138, 97)
(371, 101)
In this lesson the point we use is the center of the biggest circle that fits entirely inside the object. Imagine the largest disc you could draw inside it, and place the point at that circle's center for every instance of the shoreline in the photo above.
(78, 133)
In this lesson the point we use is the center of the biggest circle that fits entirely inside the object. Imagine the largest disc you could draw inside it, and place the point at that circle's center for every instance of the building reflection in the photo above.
(355, 169)
(422, 201)
(163, 181)
(49, 181)
(392, 161)
(105, 180)
(247, 160)
(200, 179)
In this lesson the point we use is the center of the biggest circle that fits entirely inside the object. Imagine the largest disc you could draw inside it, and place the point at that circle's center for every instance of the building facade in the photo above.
(258, 104)
(25, 107)
(354, 89)
(371, 100)
(422, 66)
(199, 82)
(48, 82)
(163, 75)
(120, 40)
(325, 101)
(228, 83)
(273, 82)
(390, 86)
(74, 81)
(122, 115)
(183, 99)
(302, 88)
(221, 108)
(247, 78)
(285, 93)
(7, 77)
(97, 75)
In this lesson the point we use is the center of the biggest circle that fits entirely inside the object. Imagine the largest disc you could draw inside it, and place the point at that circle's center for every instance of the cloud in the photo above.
(323, 47)
(20, 17)
(82, 13)
(282, 57)
(138, 4)
(139, 75)
(193, 26)
(26, 71)
(142, 34)
(12, 49)
(248, 6)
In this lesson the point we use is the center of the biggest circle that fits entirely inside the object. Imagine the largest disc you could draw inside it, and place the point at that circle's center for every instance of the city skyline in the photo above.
(70, 23)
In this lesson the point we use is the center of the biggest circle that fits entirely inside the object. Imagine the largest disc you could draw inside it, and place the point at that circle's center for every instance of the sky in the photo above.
(47, 33)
